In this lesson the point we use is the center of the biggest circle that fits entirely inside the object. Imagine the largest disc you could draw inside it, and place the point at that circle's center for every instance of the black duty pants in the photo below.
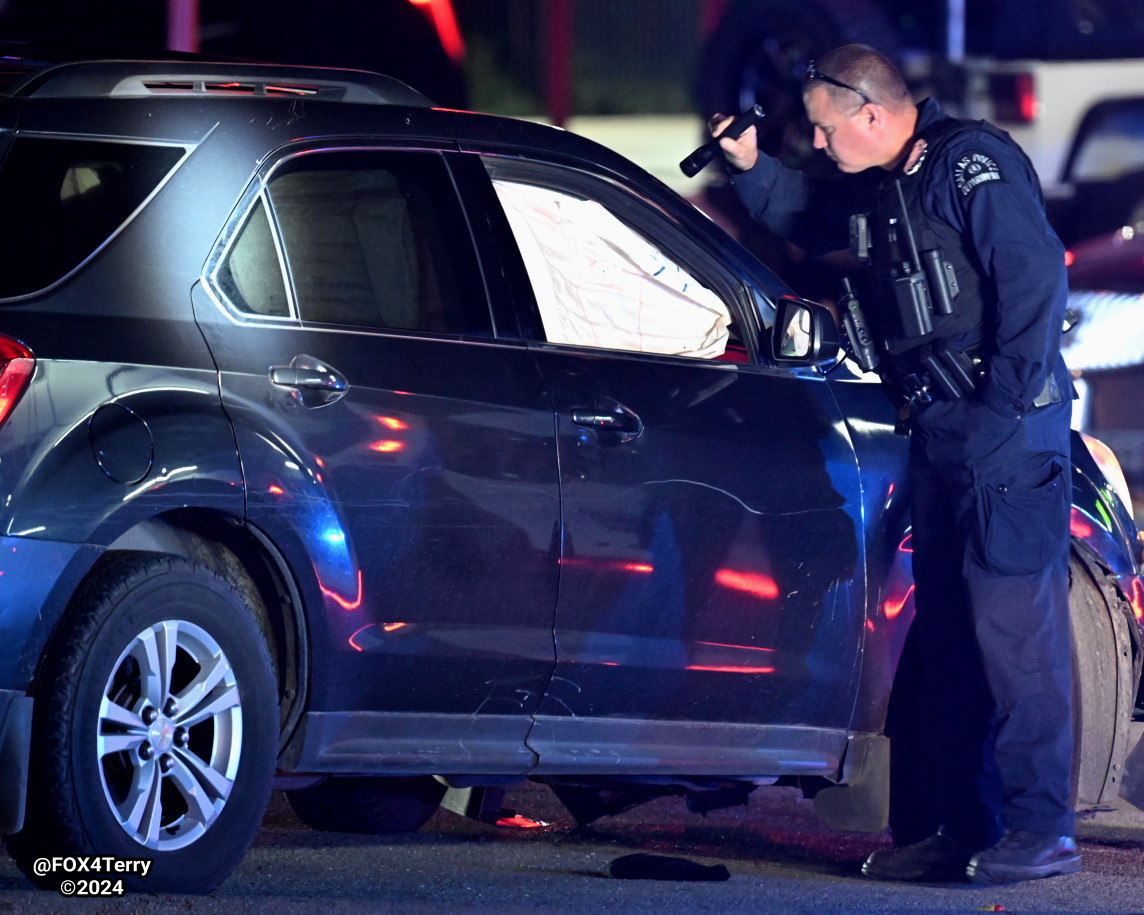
(985, 742)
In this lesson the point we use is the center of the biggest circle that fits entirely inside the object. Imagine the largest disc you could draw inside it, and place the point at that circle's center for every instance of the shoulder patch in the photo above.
(974, 169)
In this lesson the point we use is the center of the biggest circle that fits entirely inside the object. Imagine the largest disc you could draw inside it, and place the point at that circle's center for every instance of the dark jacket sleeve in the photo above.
(812, 213)
(986, 188)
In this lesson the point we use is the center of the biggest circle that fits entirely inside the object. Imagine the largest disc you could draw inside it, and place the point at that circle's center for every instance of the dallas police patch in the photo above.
(973, 170)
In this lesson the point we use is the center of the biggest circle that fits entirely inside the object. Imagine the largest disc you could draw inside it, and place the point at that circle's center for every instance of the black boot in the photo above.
(1024, 855)
(938, 859)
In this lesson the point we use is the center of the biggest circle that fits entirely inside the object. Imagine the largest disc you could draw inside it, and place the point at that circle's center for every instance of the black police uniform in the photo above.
(989, 473)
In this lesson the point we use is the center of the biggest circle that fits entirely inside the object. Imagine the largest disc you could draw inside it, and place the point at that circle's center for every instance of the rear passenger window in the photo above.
(62, 199)
(377, 240)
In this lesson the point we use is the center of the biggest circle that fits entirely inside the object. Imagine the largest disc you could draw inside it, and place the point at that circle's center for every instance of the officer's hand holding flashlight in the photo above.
(728, 128)
(742, 151)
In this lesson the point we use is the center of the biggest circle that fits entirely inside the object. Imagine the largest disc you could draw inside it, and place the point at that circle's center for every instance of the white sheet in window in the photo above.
(598, 283)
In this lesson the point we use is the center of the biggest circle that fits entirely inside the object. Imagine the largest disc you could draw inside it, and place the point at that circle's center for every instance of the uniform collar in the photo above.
(929, 113)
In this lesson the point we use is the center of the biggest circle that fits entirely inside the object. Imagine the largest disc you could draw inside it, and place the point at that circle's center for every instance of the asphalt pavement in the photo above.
(778, 858)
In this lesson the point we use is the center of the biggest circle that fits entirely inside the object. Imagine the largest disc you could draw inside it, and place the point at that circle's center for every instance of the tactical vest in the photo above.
(928, 281)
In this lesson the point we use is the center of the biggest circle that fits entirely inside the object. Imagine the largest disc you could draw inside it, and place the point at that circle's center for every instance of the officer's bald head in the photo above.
(866, 72)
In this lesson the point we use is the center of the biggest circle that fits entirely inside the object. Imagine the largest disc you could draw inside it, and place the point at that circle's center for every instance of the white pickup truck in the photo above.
(1041, 103)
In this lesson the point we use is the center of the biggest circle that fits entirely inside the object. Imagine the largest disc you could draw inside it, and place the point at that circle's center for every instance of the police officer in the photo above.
(966, 299)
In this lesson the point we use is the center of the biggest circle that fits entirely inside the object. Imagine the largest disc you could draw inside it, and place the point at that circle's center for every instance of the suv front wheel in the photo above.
(154, 731)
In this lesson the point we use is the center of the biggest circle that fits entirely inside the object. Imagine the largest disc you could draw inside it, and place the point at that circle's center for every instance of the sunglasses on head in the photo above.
(812, 73)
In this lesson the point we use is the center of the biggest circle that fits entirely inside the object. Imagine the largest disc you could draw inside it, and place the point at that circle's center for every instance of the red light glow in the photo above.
(608, 565)
(892, 607)
(387, 627)
(392, 422)
(1027, 97)
(737, 647)
(446, 24)
(387, 446)
(353, 644)
(906, 546)
(519, 821)
(276, 490)
(341, 601)
(762, 586)
(1078, 526)
(732, 670)
(1136, 598)
(1070, 258)
(13, 380)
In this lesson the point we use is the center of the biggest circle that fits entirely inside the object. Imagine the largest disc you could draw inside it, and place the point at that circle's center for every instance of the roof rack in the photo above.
(145, 78)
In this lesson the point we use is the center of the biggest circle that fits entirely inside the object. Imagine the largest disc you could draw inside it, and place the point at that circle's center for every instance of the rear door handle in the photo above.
(311, 382)
(614, 421)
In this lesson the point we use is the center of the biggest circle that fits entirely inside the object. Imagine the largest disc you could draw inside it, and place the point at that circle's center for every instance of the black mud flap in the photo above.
(862, 802)
(15, 741)
(476, 803)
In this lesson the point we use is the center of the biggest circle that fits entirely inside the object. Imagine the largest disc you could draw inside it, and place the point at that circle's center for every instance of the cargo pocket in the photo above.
(1023, 521)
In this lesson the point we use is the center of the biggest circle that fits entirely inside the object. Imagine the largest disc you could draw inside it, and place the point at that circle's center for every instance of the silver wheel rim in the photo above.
(170, 735)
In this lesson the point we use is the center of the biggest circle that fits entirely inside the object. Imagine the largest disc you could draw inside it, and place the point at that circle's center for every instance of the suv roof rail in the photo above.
(141, 78)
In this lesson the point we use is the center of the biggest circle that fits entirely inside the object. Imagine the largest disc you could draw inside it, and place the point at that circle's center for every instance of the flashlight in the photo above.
(693, 164)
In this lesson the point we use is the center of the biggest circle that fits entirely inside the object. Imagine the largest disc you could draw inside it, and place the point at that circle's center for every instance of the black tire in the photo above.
(373, 806)
(1104, 687)
(118, 767)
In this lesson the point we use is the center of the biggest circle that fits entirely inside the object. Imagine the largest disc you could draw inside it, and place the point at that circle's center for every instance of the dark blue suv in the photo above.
(372, 451)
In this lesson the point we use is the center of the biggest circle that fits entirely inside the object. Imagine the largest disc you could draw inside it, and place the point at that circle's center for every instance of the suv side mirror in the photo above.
(805, 333)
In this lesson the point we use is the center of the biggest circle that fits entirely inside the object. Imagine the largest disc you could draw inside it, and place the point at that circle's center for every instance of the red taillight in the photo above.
(16, 366)
(1014, 97)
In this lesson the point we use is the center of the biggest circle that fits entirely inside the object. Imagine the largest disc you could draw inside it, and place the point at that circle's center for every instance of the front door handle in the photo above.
(311, 382)
(614, 421)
